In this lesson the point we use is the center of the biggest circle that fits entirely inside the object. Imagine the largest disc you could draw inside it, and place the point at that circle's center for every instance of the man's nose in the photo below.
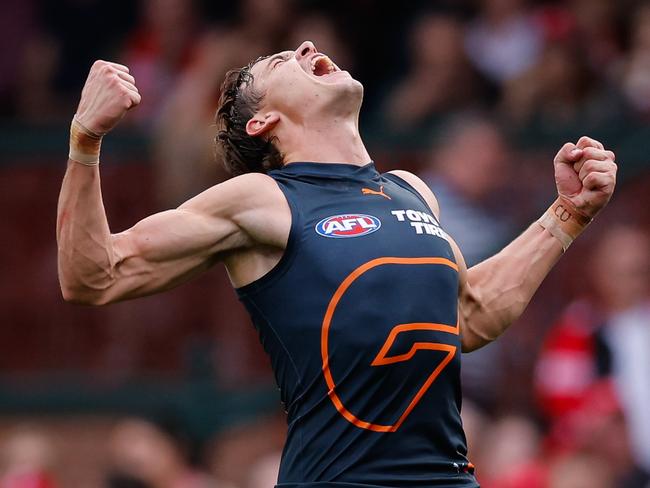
(305, 49)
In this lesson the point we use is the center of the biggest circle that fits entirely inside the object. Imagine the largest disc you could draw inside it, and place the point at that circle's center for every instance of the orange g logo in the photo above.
(383, 357)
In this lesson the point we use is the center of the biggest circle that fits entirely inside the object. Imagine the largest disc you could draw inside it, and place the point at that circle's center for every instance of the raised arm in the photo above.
(159, 252)
(498, 289)
(495, 292)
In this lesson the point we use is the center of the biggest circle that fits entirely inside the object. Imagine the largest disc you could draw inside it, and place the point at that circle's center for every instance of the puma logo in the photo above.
(368, 191)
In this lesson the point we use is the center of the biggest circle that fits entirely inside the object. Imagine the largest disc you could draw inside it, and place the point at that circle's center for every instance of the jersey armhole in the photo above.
(288, 255)
(407, 186)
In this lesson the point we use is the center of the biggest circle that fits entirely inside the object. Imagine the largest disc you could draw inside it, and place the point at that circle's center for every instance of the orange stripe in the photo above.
(451, 350)
(327, 321)
(381, 358)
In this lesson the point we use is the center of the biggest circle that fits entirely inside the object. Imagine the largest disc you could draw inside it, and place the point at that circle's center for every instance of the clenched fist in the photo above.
(585, 175)
(108, 94)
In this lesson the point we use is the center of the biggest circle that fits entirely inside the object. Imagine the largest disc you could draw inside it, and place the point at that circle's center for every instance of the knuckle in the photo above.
(589, 166)
(584, 140)
(567, 148)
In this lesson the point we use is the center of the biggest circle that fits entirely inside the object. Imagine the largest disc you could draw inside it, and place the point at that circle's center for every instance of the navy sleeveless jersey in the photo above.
(360, 320)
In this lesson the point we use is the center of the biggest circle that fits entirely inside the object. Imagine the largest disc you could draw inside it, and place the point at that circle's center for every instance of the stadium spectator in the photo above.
(264, 472)
(468, 172)
(603, 337)
(144, 456)
(36, 100)
(505, 40)
(25, 459)
(183, 144)
(248, 454)
(559, 92)
(580, 471)
(439, 80)
(159, 50)
(636, 74)
(598, 27)
(510, 457)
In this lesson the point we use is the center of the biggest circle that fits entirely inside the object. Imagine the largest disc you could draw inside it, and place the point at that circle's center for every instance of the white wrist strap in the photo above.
(551, 224)
(84, 144)
(85, 159)
(563, 222)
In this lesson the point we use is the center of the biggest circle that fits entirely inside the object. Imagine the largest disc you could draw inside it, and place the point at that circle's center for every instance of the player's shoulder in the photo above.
(238, 196)
(249, 189)
(250, 181)
(421, 187)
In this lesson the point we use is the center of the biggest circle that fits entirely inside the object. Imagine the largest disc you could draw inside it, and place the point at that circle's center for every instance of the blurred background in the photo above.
(475, 96)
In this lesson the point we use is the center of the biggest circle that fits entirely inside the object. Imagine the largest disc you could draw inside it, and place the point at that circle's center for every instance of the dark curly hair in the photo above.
(238, 103)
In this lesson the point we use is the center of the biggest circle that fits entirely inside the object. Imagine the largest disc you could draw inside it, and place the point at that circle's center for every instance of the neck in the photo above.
(336, 140)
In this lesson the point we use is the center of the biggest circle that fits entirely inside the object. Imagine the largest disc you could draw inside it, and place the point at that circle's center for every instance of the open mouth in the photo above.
(321, 65)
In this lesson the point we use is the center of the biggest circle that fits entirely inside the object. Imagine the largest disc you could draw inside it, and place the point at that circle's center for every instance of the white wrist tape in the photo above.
(84, 144)
(550, 223)
(563, 222)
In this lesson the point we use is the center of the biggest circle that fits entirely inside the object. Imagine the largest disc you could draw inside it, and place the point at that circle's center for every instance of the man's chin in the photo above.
(342, 81)
(349, 93)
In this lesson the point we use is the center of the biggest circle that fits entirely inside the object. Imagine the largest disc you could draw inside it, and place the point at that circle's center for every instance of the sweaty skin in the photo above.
(245, 221)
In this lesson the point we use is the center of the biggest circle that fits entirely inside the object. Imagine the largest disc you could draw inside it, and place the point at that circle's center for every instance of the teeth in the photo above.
(329, 65)
(314, 61)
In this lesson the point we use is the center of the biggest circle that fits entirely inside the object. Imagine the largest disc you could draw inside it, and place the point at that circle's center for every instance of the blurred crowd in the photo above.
(135, 452)
(545, 68)
(473, 95)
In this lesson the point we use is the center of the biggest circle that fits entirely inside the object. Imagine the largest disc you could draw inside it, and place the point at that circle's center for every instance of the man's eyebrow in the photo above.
(285, 55)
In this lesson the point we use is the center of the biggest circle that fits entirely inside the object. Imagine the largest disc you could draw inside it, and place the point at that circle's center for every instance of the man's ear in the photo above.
(262, 123)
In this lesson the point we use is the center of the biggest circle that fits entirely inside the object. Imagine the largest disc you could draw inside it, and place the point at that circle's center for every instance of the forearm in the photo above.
(503, 285)
(85, 256)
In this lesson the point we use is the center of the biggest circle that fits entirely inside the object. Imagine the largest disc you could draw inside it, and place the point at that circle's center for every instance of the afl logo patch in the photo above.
(348, 225)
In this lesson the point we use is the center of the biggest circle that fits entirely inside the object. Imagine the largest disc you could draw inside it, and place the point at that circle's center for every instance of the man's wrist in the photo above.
(564, 222)
(85, 144)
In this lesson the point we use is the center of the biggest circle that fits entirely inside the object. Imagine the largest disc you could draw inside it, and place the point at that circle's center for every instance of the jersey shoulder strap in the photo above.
(408, 187)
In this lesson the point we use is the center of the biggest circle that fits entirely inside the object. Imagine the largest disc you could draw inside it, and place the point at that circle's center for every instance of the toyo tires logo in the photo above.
(347, 225)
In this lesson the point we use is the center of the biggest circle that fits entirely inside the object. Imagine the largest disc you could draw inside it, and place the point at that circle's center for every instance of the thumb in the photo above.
(569, 154)
(566, 178)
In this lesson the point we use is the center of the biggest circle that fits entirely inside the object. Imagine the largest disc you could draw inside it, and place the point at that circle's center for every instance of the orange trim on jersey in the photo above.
(381, 358)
